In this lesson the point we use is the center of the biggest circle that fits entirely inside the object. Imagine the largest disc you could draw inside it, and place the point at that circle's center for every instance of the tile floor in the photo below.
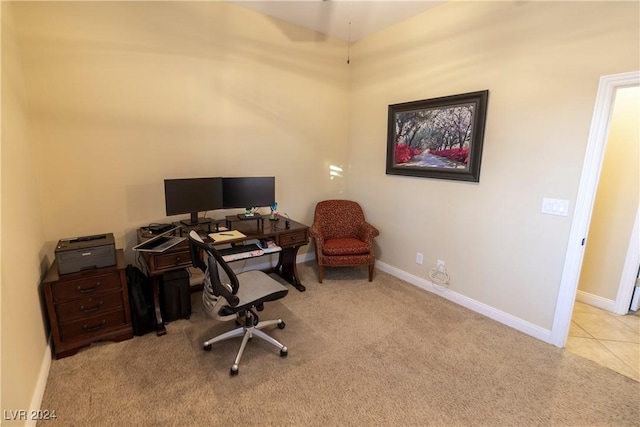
(612, 340)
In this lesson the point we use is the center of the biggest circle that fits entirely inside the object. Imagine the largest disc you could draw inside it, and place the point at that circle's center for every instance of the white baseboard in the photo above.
(484, 309)
(306, 257)
(38, 392)
(596, 301)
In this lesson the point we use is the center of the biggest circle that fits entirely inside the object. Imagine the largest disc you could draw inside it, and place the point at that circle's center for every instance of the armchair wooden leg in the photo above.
(371, 267)
(320, 273)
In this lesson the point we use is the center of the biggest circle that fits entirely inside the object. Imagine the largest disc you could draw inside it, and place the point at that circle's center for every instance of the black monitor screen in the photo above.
(248, 192)
(192, 195)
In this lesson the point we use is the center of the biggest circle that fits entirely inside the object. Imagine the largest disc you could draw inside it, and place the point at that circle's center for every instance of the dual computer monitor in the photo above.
(194, 195)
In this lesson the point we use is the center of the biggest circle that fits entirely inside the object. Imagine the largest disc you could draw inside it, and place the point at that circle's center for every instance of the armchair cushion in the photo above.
(345, 246)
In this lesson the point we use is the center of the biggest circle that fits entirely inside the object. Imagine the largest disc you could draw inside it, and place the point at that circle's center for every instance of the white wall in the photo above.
(24, 340)
(616, 203)
(127, 94)
(541, 62)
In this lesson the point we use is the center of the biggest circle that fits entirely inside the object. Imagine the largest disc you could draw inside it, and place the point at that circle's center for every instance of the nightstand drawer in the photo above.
(86, 286)
(92, 326)
(293, 239)
(174, 259)
(89, 307)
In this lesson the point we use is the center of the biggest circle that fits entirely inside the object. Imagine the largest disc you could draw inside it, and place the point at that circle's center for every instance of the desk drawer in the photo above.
(174, 259)
(92, 326)
(86, 286)
(88, 307)
(296, 238)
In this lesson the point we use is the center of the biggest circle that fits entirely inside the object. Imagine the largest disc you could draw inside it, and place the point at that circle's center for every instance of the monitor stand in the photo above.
(199, 221)
(252, 216)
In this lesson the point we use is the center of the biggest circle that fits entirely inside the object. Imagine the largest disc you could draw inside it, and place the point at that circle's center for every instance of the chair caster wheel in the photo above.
(234, 370)
(281, 325)
(206, 347)
(284, 351)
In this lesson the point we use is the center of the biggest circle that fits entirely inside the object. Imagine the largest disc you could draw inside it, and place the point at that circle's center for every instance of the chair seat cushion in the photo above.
(344, 246)
(255, 287)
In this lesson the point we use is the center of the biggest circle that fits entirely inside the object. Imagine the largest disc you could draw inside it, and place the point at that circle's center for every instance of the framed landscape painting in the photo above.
(438, 138)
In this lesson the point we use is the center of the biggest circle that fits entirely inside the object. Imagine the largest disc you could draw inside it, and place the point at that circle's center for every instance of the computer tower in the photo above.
(175, 295)
(143, 318)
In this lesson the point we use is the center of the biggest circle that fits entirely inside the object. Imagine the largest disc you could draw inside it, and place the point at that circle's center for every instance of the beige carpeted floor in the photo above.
(368, 354)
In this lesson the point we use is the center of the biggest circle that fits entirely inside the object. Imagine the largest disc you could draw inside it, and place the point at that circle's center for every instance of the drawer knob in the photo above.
(91, 309)
(178, 260)
(88, 328)
(91, 289)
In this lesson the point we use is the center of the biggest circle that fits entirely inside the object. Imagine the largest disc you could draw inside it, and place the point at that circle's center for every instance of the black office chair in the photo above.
(227, 296)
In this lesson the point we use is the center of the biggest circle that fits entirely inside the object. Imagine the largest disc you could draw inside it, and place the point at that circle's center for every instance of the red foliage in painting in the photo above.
(456, 154)
(404, 153)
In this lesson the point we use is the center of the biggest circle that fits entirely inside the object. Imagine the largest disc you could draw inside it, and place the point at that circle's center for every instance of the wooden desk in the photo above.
(289, 239)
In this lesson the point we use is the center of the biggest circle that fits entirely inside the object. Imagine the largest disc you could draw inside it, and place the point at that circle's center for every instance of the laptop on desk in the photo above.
(160, 243)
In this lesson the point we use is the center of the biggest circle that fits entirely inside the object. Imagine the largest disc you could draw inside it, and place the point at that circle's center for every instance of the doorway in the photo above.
(608, 252)
(585, 200)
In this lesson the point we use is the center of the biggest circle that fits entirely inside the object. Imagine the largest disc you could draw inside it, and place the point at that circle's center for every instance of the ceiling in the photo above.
(344, 19)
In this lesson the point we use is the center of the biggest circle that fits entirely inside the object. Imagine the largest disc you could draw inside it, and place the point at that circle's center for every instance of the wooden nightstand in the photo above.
(87, 306)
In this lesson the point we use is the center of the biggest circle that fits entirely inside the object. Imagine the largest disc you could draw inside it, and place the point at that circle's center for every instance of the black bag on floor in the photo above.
(143, 316)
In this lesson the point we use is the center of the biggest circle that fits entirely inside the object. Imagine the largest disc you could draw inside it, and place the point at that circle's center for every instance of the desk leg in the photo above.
(160, 329)
(288, 269)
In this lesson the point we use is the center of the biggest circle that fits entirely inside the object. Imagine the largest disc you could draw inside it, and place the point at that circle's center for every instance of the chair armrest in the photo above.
(367, 232)
(316, 233)
(231, 298)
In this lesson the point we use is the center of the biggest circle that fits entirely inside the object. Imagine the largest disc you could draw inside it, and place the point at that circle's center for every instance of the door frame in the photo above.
(629, 270)
(585, 199)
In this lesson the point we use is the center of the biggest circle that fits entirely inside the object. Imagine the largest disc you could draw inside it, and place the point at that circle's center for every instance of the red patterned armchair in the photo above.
(342, 236)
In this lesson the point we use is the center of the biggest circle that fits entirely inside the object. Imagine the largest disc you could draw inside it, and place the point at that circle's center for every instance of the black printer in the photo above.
(83, 253)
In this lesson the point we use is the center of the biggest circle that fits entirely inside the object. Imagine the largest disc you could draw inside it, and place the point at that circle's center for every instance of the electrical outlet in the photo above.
(440, 266)
(418, 258)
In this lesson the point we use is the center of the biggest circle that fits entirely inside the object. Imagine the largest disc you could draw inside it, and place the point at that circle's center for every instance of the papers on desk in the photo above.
(224, 236)
(250, 249)
(242, 255)
(270, 247)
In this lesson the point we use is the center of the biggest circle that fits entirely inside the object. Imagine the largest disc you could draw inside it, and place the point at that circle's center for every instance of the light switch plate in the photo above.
(555, 207)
